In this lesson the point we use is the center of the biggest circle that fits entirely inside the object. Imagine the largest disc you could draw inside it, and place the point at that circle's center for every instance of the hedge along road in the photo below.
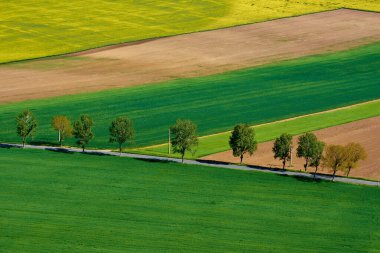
(215, 103)
(203, 163)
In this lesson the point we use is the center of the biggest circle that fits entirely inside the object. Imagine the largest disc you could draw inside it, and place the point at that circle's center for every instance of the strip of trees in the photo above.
(315, 153)
(121, 129)
(184, 139)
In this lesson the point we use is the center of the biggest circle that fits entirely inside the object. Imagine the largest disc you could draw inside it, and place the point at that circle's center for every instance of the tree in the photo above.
(354, 152)
(26, 125)
(307, 147)
(334, 158)
(83, 131)
(242, 141)
(282, 148)
(317, 156)
(121, 131)
(184, 137)
(63, 125)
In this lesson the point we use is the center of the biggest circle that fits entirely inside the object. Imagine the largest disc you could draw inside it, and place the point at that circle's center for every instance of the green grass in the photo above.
(31, 29)
(54, 202)
(216, 103)
(217, 143)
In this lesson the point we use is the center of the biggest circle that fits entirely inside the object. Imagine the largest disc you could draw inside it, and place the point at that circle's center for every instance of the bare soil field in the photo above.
(188, 55)
(366, 132)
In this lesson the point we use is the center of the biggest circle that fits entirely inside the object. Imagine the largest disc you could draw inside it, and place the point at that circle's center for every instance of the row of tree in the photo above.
(315, 152)
(242, 141)
(121, 129)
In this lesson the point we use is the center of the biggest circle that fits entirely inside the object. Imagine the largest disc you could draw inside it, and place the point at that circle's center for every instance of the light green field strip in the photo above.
(32, 29)
(219, 142)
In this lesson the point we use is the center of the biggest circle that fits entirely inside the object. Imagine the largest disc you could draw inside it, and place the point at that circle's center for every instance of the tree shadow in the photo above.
(9, 146)
(94, 153)
(266, 168)
(60, 150)
(212, 162)
(303, 178)
(42, 143)
(152, 160)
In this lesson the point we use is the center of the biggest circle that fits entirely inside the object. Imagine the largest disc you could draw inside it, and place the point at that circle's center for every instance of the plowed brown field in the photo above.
(365, 132)
(189, 55)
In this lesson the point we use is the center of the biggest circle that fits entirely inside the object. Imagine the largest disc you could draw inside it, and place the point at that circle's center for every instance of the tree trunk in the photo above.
(241, 158)
(120, 149)
(348, 172)
(83, 149)
(183, 155)
(283, 164)
(306, 163)
(23, 141)
(333, 175)
(315, 172)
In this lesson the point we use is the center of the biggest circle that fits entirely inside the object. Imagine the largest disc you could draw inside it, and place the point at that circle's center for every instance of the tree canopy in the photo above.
(26, 125)
(121, 131)
(334, 158)
(317, 156)
(242, 141)
(354, 152)
(63, 125)
(184, 137)
(307, 148)
(83, 130)
(282, 148)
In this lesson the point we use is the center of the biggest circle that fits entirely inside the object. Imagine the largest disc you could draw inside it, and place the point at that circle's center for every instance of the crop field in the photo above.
(216, 143)
(254, 96)
(55, 202)
(31, 29)
(189, 55)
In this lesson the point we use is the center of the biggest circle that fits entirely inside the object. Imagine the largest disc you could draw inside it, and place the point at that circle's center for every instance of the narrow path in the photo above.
(201, 163)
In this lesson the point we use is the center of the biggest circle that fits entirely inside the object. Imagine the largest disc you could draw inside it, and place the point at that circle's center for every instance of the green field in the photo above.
(31, 29)
(216, 103)
(219, 142)
(54, 202)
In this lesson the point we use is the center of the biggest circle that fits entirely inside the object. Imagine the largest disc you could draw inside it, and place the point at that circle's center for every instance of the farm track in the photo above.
(200, 162)
(189, 55)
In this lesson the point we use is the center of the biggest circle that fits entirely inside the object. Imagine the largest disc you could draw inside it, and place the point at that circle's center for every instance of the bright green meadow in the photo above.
(55, 202)
(32, 29)
(215, 103)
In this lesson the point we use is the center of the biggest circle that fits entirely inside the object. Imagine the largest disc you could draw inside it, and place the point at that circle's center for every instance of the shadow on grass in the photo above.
(266, 168)
(60, 150)
(304, 178)
(9, 146)
(94, 153)
(212, 162)
(152, 160)
(43, 143)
